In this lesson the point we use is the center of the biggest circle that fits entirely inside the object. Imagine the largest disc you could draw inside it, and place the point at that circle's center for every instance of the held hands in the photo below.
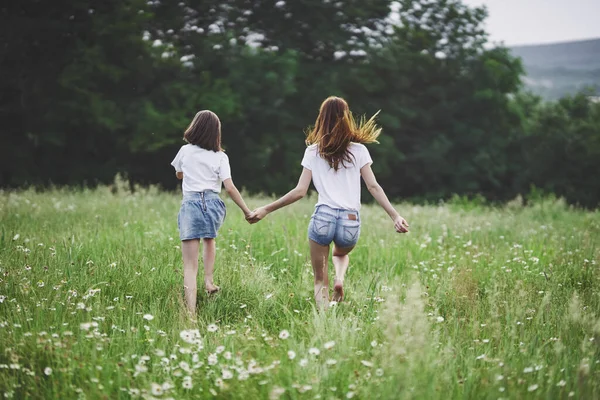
(256, 215)
(400, 224)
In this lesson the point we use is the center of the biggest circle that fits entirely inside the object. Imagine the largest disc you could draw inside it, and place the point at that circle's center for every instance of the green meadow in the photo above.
(476, 302)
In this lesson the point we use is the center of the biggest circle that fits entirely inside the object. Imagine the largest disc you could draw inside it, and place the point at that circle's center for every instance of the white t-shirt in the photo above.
(341, 188)
(202, 169)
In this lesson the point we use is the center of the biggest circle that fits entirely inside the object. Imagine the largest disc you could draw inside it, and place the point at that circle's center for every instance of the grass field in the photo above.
(474, 303)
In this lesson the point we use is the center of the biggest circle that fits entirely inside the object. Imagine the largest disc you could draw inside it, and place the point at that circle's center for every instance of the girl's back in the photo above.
(202, 169)
(337, 189)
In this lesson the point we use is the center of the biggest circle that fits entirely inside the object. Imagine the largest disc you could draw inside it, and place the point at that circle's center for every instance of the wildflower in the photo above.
(220, 349)
(16, 237)
(212, 328)
(156, 389)
(481, 357)
(148, 317)
(331, 361)
(140, 369)
(314, 351)
(48, 371)
(184, 366)
(528, 370)
(532, 388)
(267, 297)
(227, 374)
(379, 372)
(329, 345)
(440, 319)
(374, 343)
(191, 336)
(367, 363)
(276, 393)
(212, 359)
(291, 354)
(499, 377)
(187, 383)
(244, 375)
(85, 326)
(304, 362)
(561, 383)
(349, 395)
(284, 334)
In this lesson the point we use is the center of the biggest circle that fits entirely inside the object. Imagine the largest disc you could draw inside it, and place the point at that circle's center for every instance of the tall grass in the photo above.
(474, 302)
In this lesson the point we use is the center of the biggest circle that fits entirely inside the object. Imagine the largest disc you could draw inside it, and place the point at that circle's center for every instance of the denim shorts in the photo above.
(201, 215)
(334, 225)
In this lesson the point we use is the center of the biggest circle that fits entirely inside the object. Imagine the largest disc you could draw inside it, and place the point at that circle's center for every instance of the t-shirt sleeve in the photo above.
(178, 160)
(306, 160)
(364, 157)
(224, 168)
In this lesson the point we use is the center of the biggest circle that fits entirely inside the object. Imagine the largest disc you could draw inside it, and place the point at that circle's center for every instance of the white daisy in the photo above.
(187, 383)
(284, 334)
(156, 389)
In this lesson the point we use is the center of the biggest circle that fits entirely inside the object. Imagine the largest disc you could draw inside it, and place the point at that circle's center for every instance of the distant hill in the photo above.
(554, 70)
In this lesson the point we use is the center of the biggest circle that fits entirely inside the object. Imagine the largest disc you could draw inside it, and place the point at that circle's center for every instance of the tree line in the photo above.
(92, 89)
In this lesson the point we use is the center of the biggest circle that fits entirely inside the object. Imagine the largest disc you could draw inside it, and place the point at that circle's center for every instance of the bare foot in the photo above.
(211, 288)
(321, 297)
(338, 291)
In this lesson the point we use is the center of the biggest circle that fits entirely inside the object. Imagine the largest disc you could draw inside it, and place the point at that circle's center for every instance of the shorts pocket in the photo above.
(321, 227)
(351, 233)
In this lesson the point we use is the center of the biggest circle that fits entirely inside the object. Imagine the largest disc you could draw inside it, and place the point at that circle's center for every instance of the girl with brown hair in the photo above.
(203, 166)
(335, 160)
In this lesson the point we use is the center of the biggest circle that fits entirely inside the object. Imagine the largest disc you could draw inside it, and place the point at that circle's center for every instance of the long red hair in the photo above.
(336, 128)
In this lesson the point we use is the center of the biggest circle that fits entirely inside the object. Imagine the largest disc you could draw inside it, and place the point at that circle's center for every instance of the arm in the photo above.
(236, 196)
(291, 197)
(377, 191)
(179, 175)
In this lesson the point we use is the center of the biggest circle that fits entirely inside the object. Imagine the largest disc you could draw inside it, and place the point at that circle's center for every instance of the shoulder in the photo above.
(312, 149)
(358, 148)
(186, 148)
(222, 156)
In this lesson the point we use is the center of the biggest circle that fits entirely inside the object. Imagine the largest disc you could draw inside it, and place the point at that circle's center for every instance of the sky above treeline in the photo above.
(518, 22)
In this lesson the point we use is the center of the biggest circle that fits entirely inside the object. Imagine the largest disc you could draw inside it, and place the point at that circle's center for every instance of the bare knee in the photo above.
(341, 252)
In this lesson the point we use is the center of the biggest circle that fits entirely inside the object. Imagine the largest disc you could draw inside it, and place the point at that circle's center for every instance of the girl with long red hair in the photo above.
(335, 160)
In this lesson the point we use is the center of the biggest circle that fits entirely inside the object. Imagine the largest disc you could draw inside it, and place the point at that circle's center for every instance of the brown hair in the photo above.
(335, 128)
(204, 131)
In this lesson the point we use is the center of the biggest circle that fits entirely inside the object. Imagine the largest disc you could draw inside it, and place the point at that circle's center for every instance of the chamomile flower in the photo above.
(284, 334)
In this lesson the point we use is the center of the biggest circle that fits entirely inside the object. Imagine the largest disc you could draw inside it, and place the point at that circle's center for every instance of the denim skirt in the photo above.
(334, 225)
(201, 215)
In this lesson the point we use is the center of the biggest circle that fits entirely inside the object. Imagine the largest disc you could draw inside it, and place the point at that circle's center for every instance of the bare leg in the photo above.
(208, 256)
(189, 251)
(340, 262)
(319, 257)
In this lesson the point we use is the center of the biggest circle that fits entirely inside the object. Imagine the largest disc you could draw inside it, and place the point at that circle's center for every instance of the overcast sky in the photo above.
(541, 21)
